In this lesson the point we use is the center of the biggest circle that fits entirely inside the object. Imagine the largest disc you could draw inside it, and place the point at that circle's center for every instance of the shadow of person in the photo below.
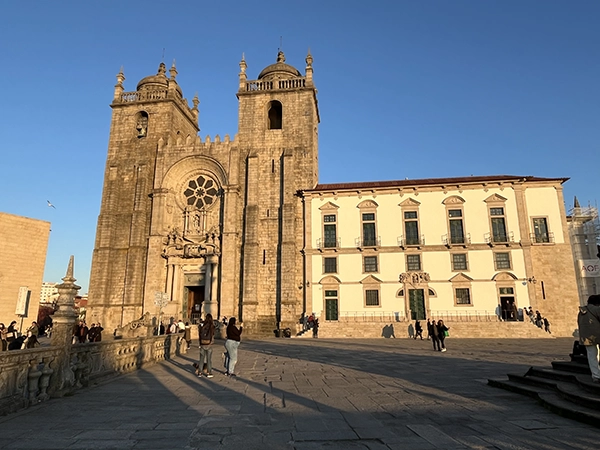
(411, 331)
(388, 331)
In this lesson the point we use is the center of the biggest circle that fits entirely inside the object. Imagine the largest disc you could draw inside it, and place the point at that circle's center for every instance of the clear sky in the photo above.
(417, 89)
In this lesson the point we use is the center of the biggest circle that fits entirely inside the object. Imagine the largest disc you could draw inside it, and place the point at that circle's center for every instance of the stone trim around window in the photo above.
(461, 282)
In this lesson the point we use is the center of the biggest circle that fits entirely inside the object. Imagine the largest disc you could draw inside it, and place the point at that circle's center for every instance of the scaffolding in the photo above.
(584, 233)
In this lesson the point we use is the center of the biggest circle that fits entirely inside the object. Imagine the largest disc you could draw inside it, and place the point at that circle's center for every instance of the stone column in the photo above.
(210, 305)
(63, 322)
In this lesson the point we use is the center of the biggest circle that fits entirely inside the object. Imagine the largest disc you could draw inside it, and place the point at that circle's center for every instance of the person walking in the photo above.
(442, 331)
(433, 333)
(207, 337)
(428, 329)
(234, 337)
(588, 322)
(547, 326)
(315, 328)
(418, 330)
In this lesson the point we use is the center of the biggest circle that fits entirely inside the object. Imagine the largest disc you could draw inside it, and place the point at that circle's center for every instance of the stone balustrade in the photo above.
(272, 85)
(29, 377)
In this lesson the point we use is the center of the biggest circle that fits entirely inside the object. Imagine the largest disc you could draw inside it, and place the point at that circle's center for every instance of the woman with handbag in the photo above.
(442, 334)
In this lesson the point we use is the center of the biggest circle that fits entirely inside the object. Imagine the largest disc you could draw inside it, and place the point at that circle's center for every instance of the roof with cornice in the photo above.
(432, 182)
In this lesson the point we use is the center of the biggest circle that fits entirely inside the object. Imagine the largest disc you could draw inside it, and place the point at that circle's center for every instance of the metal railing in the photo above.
(368, 242)
(449, 240)
(464, 316)
(370, 316)
(411, 241)
(329, 243)
(506, 238)
(543, 238)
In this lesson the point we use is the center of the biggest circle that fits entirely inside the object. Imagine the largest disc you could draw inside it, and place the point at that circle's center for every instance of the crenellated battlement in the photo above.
(195, 142)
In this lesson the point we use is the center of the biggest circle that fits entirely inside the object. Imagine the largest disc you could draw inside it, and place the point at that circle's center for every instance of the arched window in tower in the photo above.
(141, 124)
(275, 115)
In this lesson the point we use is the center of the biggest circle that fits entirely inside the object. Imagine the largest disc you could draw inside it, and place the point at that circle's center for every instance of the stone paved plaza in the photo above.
(315, 393)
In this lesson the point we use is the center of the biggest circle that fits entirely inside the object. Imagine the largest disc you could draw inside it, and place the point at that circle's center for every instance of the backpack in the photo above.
(205, 335)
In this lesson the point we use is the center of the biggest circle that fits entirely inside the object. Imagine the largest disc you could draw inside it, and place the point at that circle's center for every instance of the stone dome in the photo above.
(155, 82)
(279, 70)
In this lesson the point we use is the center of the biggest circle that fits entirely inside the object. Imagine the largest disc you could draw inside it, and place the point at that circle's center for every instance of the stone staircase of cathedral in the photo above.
(565, 388)
(374, 329)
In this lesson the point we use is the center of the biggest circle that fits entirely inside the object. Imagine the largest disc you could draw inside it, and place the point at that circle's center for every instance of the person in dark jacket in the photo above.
(234, 336)
(418, 330)
(432, 330)
(442, 331)
(588, 321)
(206, 333)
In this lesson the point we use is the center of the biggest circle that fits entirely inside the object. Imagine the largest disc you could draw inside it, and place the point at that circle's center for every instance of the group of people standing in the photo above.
(12, 339)
(82, 333)
(437, 332)
(206, 334)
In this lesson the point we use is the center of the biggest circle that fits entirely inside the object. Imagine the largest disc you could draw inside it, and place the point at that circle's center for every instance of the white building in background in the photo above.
(584, 230)
(49, 292)
(451, 247)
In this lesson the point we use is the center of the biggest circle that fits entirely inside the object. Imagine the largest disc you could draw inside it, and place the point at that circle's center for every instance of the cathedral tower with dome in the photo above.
(206, 226)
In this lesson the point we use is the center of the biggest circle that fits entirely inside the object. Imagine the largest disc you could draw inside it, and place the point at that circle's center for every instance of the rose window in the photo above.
(201, 192)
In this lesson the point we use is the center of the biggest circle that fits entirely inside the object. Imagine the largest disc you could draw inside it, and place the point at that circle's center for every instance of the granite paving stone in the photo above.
(303, 394)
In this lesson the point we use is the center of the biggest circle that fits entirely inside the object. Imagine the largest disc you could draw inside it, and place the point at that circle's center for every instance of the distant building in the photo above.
(21, 266)
(584, 229)
(49, 292)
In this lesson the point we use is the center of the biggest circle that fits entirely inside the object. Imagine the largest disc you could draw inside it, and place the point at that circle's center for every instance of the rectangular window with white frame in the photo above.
(329, 231)
(456, 225)
(413, 263)
(459, 262)
(502, 261)
(369, 236)
(370, 264)
(411, 228)
(330, 265)
(463, 296)
(498, 221)
(372, 297)
(541, 235)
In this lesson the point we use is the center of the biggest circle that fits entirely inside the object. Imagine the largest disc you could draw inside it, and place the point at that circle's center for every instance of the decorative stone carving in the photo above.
(414, 277)
(136, 328)
(410, 202)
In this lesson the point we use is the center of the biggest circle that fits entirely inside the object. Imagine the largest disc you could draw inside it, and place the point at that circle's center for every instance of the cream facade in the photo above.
(476, 248)
(21, 269)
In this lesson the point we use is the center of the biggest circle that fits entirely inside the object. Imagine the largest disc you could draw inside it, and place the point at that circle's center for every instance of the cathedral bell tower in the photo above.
(156, 111)
(277, 134)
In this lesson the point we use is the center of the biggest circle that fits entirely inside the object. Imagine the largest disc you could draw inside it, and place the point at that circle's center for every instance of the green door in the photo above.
(416, 299)
(331, 305)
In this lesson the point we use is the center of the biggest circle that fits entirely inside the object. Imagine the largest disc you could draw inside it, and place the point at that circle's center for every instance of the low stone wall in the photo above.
(29, 377)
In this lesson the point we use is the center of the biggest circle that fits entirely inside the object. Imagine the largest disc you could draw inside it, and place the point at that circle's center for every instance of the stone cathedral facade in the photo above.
(240, 227)
(216, 225)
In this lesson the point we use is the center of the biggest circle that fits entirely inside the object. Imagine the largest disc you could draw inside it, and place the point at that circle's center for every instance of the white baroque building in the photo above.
(470, 249)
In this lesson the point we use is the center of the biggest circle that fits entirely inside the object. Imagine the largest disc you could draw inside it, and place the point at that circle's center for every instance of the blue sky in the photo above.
(413, 89)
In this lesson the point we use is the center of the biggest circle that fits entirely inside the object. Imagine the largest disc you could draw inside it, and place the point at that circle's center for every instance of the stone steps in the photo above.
(565, 389)
(492, 329)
